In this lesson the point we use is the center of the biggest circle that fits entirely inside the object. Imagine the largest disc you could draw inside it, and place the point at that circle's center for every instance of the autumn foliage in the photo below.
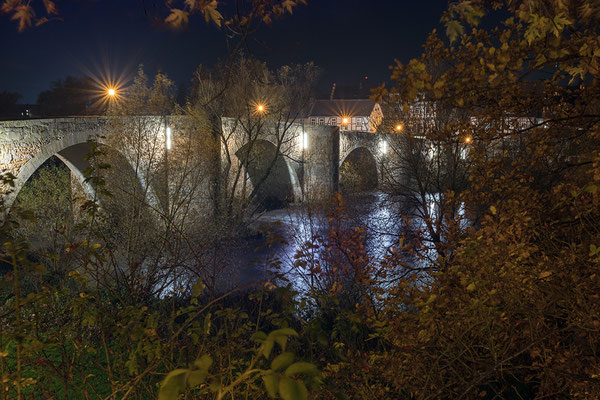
(508, 306)
(514, 311)
(174, 13)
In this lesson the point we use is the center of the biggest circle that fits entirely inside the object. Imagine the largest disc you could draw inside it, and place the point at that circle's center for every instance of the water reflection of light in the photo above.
(303, 225)
(378, 213)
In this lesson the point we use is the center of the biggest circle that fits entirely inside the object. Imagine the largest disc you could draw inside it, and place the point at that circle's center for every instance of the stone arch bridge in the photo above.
(312, 155)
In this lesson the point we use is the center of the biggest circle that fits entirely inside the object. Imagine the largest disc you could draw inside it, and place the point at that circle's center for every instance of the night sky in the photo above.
(348, 39)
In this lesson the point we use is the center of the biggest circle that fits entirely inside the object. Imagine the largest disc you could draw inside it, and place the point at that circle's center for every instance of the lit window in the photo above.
(321, 121)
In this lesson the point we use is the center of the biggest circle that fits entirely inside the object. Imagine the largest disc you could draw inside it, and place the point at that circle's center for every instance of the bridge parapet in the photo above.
(22, 140)
(313, 154)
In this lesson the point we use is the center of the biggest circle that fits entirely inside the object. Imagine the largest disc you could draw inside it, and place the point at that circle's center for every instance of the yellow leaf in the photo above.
(545, 274)
(471, 287)
(178, 18)
(493, 210)
(50, 7)
(24, 15)
(454, 29)
(211, 13)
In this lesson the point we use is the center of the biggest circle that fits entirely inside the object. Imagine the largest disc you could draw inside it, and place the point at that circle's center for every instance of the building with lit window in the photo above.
(361, 115)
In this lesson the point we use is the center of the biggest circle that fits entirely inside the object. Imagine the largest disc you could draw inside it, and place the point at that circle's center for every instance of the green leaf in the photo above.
(268, 347)
(197, 288)
(281, 336)
(259, 337)
(39, 268)
(214, 385)
(291, 389)
(207, 323)
(271, 381)
(282, 361)
(282, 340)
(204, 362)
(196, 378)
(172, 385)
(285, 332)
(301, 368)
(591, 188)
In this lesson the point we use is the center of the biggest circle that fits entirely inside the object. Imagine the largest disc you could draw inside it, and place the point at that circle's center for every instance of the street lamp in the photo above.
(260, 108)
(399, 127)
(111, 92)
(468, 139)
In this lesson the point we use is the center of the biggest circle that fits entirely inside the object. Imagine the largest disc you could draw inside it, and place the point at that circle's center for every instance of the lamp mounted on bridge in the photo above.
(261, 108)
(168, 138)
(399, 127)
(468, 139)
(384, 147)
(111, 97)
(345, 122)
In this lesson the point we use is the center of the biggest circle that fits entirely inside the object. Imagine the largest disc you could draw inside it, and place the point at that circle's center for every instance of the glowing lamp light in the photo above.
(260, 108)
(467, 139)
(112, 92)
(168, 140)
(345, 121)
(304, 140)
(399, 127)
(384, 147)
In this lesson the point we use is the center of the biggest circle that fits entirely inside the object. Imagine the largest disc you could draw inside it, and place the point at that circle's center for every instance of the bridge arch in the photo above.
(71, 150)
(358, 170)
(270, 173)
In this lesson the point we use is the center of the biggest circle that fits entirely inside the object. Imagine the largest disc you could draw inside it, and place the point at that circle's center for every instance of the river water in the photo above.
(285, 231)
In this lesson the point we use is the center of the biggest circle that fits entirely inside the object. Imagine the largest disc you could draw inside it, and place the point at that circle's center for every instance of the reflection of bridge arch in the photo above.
(358, 170)
(270, 173)
(72, 150)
